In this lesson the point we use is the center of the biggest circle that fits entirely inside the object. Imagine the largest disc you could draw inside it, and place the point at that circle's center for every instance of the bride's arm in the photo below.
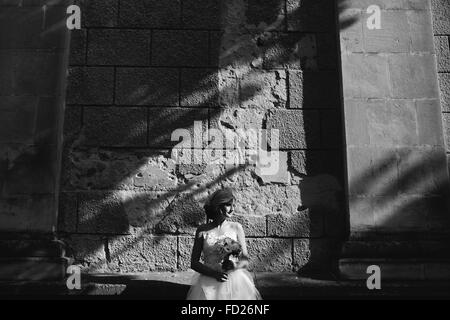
(243, 260)
(196, 265)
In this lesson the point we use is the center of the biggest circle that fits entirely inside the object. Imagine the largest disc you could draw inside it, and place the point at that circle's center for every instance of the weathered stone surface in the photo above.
(263, 89)
(390, 4)
(78, 46)
(180, 48)
(202, 14)
(280, 174)
(142, 253)
(199, 87)
(164, 121)
(184, 215)
(267, 15)
(185, 245)
(90, 85)
(413, 76)
(315, 162)
(443, 53)
(266, 254)
(147, 86)
(254, 226)
(266, 200)
(298, 129)
(444, 84)
(351, 33)
(67, 213)
(447, 129)
(102, 213)
(150, 13)
(129, 124)
(88, 252)
(17, 119)
(298, 225)
(294, 51)
(119, 47)
(99, 13)
(441, 16)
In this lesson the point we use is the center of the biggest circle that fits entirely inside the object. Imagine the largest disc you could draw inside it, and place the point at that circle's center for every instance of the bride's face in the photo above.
(227, 209)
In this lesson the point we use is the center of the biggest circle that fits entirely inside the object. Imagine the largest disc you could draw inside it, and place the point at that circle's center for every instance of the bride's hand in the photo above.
(221, 276)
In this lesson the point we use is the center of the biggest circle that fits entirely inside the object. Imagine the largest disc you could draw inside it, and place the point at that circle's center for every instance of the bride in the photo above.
(213, 282)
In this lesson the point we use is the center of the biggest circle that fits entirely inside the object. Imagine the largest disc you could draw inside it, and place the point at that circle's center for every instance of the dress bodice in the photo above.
(212, 249)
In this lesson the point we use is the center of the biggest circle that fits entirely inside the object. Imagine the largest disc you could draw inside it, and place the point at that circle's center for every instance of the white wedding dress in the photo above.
(239, 286)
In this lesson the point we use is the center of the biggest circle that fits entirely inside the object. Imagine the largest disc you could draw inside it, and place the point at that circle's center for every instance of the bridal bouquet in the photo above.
(231, 250)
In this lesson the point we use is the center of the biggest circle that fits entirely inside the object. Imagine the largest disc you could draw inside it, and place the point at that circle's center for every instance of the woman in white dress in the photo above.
(213, 282)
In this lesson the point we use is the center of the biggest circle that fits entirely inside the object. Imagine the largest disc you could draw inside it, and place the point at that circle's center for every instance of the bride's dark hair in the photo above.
(218, 199)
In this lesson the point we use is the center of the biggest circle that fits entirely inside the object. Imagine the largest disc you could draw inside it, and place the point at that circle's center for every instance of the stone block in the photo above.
(316, 162)
(429, 123)
(298, 129)
(267, 15)
(202, 14)
(7, 75)
(78, 46)
(301, 224)
(180, 48)
(266, 254)
(254, 226)
(392, 123)
(263, 89)
(67, 213)
(88, 252)
(362, 218)
(147, 86)
(143, 253)
(150, 13)
(129, 126)
(185, 245)
(441, 16)
(164, 121)
(444, 84)
(390, 4)
(441, 44)
(27, 213)
(421, 30)
(356, 121)
(199, 87)
(413, 76)
(422, 171)
(293, 51)
(99, 13)
(119, 47)
(102, 213)
(265, 200)
(446, 117)
(394, 35)
(327, 51)
(184, 216)
(49, 111)
(90, 85)
(365, 76)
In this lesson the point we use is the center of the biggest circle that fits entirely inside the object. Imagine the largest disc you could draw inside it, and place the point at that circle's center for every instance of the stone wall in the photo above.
(141, 69)
(441, 29)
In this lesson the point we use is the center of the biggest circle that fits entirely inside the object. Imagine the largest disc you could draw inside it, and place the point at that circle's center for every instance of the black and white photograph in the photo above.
(246, 151)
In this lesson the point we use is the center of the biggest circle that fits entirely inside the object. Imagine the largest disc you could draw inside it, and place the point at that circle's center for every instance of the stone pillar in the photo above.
(397, 173)
(33, 63)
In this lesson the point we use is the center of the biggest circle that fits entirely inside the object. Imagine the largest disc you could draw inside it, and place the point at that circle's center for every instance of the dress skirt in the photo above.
(239, 286)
